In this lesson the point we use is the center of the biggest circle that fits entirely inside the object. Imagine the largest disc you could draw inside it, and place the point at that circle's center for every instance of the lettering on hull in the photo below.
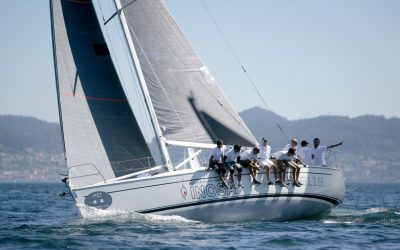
(205, 189)
(99, 200)
(312, 181)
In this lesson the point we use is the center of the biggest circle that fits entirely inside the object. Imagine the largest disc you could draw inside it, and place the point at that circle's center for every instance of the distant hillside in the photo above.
(372, 135)
(18, 133)
(31, 150)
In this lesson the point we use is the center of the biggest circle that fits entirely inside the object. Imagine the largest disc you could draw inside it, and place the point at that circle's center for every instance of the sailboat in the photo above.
(112, 165)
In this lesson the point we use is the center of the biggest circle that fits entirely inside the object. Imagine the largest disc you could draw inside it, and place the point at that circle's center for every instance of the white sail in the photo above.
(187, 101)
(101, 136)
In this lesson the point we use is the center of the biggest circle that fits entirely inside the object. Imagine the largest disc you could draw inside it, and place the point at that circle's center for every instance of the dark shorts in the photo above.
(284, 164)
(232, 165)
(217, 166)
(247, 164)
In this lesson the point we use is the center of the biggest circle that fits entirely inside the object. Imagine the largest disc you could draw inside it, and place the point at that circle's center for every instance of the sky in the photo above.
(307, 58)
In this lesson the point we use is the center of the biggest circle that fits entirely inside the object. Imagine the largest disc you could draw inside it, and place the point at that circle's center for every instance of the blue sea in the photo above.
(34, 216)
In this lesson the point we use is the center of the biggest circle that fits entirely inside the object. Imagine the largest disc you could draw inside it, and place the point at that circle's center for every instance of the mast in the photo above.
(142, 82)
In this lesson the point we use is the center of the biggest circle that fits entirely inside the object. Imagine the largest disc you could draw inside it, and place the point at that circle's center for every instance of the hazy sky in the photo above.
(308, 58)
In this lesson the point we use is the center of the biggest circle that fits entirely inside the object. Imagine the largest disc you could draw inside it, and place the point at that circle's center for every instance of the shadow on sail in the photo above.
(217, 130)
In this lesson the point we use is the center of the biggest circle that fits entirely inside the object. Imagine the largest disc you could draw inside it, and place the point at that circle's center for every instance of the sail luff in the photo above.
(53, 41)
(160, 138)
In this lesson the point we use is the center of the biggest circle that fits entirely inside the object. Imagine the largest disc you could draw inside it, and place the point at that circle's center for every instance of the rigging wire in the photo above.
(241, 65)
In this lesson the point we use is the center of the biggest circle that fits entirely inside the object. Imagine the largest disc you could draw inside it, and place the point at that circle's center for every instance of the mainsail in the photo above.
(187, 102)
(101, 136)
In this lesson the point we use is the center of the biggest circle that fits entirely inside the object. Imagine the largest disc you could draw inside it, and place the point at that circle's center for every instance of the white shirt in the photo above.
(217, 154)
(319, 155)
(288, 146)
(248, 155)
(231, 155)
(282, 155)
(264, 152)
(304, 153)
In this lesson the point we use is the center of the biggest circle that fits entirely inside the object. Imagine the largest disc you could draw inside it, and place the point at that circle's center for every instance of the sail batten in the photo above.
(187, 101)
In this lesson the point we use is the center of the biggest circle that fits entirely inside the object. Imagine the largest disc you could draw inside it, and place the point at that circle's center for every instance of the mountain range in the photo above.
(31, 149)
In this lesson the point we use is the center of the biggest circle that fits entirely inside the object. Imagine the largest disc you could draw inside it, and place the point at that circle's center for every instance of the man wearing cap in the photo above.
(304, 153)
(264, 160)
(318, 152)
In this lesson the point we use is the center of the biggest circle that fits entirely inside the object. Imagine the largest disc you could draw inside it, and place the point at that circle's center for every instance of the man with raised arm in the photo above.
(318, 152)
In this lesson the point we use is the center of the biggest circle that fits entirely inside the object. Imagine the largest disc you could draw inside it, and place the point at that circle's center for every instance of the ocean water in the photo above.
(34, 216)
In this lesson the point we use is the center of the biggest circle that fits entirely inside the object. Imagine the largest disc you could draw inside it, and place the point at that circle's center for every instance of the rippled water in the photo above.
(34, 216)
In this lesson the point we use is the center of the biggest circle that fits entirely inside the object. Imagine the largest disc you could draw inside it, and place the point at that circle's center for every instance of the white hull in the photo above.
(199, 195)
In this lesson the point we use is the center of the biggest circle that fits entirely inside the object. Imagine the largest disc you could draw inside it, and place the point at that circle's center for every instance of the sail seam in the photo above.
(94, 98)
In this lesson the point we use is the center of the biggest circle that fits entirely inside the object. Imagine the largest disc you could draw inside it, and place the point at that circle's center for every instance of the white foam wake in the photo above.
(94, 214)
(336, 222)
(350, 212)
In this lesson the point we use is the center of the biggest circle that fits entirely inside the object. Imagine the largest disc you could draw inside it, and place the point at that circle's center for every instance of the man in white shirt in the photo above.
(292, 144)
(231, 160)
(318, 152)
(248, 159)
(285, 159)
(304, 153)
(264, 160)
(216, 161)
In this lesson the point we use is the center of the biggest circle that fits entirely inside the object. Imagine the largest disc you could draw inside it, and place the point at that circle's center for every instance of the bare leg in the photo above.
(239, 175)
(231, 175)
(274, 168)
(240, 184)
(253, 173)
(267, 171)
(281, 173)
(298, 174)
(295, 170)
(221, 175)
